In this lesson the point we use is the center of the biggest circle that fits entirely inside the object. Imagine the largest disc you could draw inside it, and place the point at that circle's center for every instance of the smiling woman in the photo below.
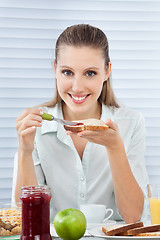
(94, 166)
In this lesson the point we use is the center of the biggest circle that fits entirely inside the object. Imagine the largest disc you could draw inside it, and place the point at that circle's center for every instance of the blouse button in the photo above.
(82, 178)
(82, 195)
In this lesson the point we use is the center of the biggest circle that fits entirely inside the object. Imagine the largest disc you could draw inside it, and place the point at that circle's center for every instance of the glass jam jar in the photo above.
(35, 213)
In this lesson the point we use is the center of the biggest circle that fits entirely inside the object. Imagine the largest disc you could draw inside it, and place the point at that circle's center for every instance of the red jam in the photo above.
(79, 124)
(35, 213)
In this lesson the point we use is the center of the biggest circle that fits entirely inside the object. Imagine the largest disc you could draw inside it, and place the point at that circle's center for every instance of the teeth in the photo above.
(79, 98)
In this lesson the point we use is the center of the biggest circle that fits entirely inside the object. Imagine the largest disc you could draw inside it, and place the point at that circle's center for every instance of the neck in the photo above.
(95, 112)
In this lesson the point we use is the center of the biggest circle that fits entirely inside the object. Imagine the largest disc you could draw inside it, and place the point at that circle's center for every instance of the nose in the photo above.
(77, 85)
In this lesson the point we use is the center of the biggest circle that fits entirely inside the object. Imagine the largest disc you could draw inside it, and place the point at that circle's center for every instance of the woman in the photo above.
(105, 167)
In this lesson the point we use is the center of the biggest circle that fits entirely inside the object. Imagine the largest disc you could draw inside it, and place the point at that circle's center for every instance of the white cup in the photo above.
(95, 213)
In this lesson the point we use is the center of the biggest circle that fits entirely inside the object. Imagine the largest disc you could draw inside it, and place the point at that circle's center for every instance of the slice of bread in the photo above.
(120, 229)
(148, 234)
(87, 124)
(147, 229)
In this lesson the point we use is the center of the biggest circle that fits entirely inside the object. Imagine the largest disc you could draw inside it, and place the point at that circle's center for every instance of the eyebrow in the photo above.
(64, 66)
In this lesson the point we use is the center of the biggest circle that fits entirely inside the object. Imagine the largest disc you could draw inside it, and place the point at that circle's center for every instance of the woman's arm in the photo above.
(26, 173)
(26, 129)
(128, 194)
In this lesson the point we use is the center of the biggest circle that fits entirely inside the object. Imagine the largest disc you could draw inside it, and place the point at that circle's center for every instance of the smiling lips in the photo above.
(79, 99)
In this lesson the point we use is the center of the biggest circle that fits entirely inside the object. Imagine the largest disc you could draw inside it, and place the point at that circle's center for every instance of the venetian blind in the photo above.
(28, 31)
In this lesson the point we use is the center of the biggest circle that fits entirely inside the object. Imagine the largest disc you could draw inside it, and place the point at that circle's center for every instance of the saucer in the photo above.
(93, 225)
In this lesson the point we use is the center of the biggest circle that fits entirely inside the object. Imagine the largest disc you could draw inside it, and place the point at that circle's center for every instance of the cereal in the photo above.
(13, 217)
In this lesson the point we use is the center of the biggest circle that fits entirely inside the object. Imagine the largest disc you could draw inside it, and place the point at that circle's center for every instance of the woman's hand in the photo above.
(26, 125)
(110, 138)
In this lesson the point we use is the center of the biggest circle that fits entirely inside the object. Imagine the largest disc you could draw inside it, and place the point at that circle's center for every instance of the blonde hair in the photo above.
(86, 35)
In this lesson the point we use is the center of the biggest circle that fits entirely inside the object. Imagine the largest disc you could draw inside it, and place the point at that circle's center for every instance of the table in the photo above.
(84, 238)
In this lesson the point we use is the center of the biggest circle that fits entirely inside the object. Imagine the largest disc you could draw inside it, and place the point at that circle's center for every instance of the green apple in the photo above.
(70, 224)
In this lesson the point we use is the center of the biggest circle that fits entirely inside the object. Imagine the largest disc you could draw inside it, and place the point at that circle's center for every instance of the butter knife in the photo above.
(50, 117)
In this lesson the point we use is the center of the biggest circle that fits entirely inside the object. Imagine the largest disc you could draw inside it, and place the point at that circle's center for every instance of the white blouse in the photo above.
(74, 182)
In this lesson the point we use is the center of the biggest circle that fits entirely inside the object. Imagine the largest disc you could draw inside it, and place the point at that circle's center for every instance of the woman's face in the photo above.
(80, 73)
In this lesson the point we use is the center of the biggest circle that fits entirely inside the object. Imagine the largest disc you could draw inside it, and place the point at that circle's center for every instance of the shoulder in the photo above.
(127, 113)
(128, 120)
(122, 115)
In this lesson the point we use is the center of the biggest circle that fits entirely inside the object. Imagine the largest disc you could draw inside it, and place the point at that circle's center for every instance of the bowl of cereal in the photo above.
(10, 219)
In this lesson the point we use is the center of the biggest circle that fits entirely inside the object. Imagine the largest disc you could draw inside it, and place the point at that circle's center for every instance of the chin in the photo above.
(80, 110)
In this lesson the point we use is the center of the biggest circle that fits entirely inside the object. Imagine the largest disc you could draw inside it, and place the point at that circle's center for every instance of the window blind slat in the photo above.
(7, 153)
(6, 183)
(153, 141)
(152, 160)
(115, 25)
(50, 43)
(6, 162)
(81, 14)
(134, 102)
(12, 142)
(146, 92)
(153, 151)
(50, 34)
(22, 103)
(26, 93)
(135, 83)
(27, 82)
(153, 170)
(153, 132)
(10, 54)
(6, 133)
(109, 5)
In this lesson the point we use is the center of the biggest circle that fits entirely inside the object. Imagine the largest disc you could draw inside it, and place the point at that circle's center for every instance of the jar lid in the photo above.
(36, 189)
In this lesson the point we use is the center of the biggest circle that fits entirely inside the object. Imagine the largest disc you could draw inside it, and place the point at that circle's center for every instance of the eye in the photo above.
(67, 72)
(90, 73)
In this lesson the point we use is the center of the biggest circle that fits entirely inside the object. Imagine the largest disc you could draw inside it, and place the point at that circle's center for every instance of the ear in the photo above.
(108, 71)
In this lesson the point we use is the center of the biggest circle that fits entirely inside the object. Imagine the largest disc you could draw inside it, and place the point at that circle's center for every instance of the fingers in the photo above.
(29, 118)
(69, 132)
(28, 131)
(111, 124)
(91, 134)
(106, 138)
(72, 133)
(23, 125)
(28, 111)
